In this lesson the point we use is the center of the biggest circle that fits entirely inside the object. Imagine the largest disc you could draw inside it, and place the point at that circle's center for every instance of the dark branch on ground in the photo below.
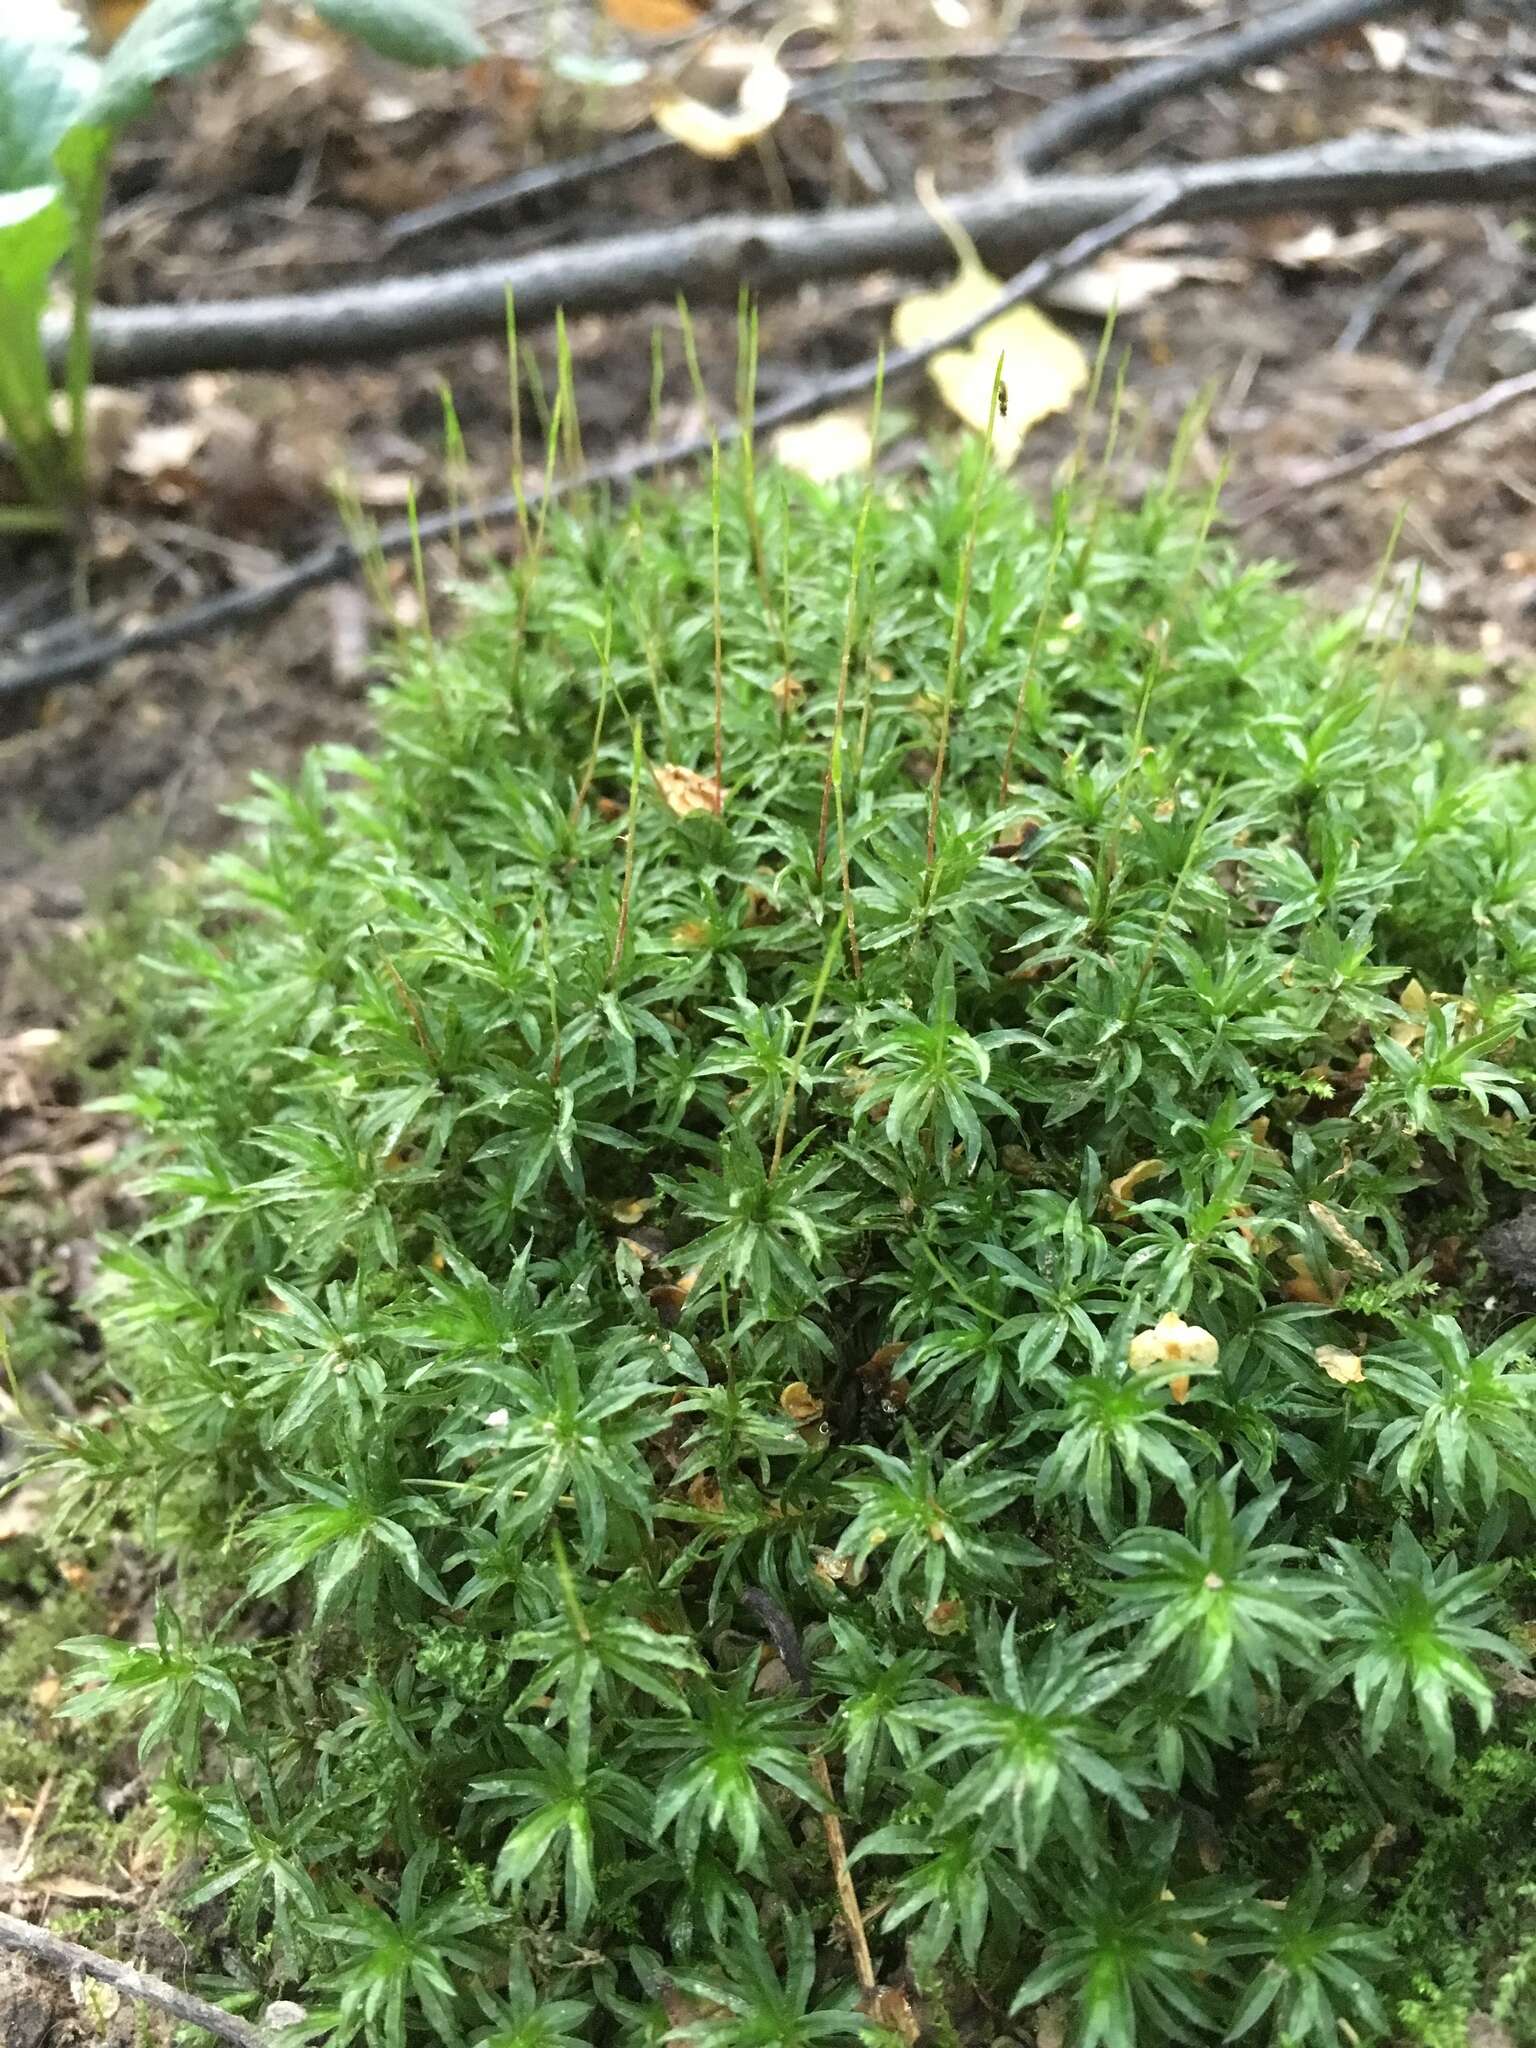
(622, 153)
(73, 1960)
(1081, 118)
(1104, 108)
(711, 260)
(1437, 426)
(341, 559)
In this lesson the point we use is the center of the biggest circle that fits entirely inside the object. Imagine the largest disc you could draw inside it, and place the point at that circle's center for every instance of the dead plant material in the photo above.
(842, 1878)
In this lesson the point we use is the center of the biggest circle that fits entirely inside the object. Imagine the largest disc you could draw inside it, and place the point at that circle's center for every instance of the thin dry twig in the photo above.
(828, 89)
(22, 1855)
(1088, 115)
(1413, 262)
(343, 558)
(842, 1877)
(1437, 426)
(542, 181)
(70, 1957)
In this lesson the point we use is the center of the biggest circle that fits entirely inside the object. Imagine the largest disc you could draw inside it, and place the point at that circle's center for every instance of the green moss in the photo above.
(38, 1750)
(603, 1238)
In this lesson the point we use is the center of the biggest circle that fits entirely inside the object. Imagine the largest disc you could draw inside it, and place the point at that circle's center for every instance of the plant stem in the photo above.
(962, 606)
(88, 193)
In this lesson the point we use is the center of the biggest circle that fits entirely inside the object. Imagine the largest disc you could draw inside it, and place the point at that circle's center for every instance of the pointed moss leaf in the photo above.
(422, 32)
(44, 86)
(168, 40)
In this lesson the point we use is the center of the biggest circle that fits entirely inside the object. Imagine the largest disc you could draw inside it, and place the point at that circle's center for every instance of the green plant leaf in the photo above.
(45, 83)
(425, 32)
(34, 233)
(168, 40)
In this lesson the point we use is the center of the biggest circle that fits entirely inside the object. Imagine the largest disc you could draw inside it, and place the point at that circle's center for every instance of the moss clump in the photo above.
(973, 1284)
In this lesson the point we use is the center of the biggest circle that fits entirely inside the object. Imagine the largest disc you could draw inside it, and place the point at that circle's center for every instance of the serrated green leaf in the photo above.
(423, 32)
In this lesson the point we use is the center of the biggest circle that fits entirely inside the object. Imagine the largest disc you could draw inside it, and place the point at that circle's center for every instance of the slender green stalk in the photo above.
(746, 413)
(717, 616)
(515, 419)
(88, 193)
(850, 631)
(658, 383)
(1392, 668)
(1367, 615)
(818, 992)
(691, 357)
(962, 606)
(1031, 660)
(32, 518)
(575, 455)
(604, 650)
(418, 561)
(631, 833)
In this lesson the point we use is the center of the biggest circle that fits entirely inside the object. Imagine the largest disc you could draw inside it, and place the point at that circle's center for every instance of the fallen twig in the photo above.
(341, 558)
(20, 1858)
(842, 1877)
(1103, 108)
(713, 259)
(70, 1957)
(1049, 137)
(786, 1640)
(826, 90)
(461, 208)
(1438, 426)
(1412, 263)
(786, 1637)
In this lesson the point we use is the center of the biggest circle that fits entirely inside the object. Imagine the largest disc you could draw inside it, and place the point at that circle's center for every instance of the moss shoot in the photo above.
(845, 1177)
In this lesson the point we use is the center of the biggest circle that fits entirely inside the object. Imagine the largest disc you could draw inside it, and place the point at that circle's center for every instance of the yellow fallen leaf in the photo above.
(1335, 1227)
(946, 1618)
(761, 96)
(1344, 1368)
(652, 17)
(1172, 1341)
(685, 790)
(1303, 1284)
(799, 1403)
(1116, 282)
(1043, 368)
(107, 20)
(1124, 1185)
(836, 444)
(1407, 1031)
(83, 1891)
(830, 1566)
